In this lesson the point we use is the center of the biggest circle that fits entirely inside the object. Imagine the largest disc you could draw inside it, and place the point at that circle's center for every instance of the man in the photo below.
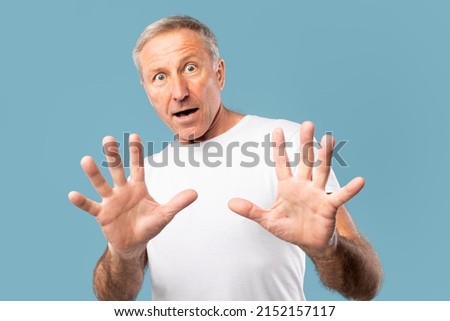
(196, 247)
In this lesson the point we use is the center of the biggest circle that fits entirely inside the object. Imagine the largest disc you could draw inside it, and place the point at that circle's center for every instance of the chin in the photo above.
(189, 135)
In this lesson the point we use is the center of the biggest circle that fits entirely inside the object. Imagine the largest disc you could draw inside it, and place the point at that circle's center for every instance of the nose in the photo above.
(179, 88)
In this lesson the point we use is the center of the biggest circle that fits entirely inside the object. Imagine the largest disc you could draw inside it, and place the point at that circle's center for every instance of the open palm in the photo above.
(303, 213)
(128, 216)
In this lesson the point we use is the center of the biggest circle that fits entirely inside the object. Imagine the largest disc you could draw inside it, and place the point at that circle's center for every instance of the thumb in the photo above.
(341, 196)
(180, 201)
(246, 208)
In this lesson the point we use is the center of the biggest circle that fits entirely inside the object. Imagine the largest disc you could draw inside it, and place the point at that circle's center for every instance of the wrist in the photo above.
(327, 253)
(132, 255)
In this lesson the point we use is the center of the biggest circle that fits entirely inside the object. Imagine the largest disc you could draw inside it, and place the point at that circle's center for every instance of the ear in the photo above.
(220, 73)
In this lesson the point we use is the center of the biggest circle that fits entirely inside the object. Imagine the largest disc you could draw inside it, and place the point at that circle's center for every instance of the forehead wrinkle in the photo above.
(183, 58)
(163, 53)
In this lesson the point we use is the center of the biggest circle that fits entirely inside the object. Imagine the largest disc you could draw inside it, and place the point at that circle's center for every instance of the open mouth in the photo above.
(186, 112)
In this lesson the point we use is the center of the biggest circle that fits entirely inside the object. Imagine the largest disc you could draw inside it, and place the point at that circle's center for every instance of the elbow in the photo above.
(375, 287)
(369, 286)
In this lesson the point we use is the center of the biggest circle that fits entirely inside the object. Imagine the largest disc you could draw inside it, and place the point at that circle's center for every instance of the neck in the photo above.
(222, 122)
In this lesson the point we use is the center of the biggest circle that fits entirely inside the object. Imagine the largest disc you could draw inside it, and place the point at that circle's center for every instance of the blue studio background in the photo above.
(376, 73)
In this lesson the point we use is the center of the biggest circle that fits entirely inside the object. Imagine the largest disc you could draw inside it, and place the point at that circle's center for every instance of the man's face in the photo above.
(183, 87)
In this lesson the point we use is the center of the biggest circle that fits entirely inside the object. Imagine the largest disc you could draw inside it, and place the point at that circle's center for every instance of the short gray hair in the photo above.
(177, 23)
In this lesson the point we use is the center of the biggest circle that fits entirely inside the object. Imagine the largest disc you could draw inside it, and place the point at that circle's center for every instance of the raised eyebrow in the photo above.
(154, 70)
(152, 73)
(190, 59)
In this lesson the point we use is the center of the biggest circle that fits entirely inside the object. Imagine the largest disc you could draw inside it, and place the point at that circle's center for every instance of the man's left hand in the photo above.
(303, 213)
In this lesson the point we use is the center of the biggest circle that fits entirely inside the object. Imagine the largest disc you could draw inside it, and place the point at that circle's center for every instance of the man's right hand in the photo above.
(128, 216)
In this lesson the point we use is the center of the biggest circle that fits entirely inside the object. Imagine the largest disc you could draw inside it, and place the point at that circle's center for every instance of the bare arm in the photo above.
(352, 267)
(117, 279)
(128, 217)
(305, 215)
